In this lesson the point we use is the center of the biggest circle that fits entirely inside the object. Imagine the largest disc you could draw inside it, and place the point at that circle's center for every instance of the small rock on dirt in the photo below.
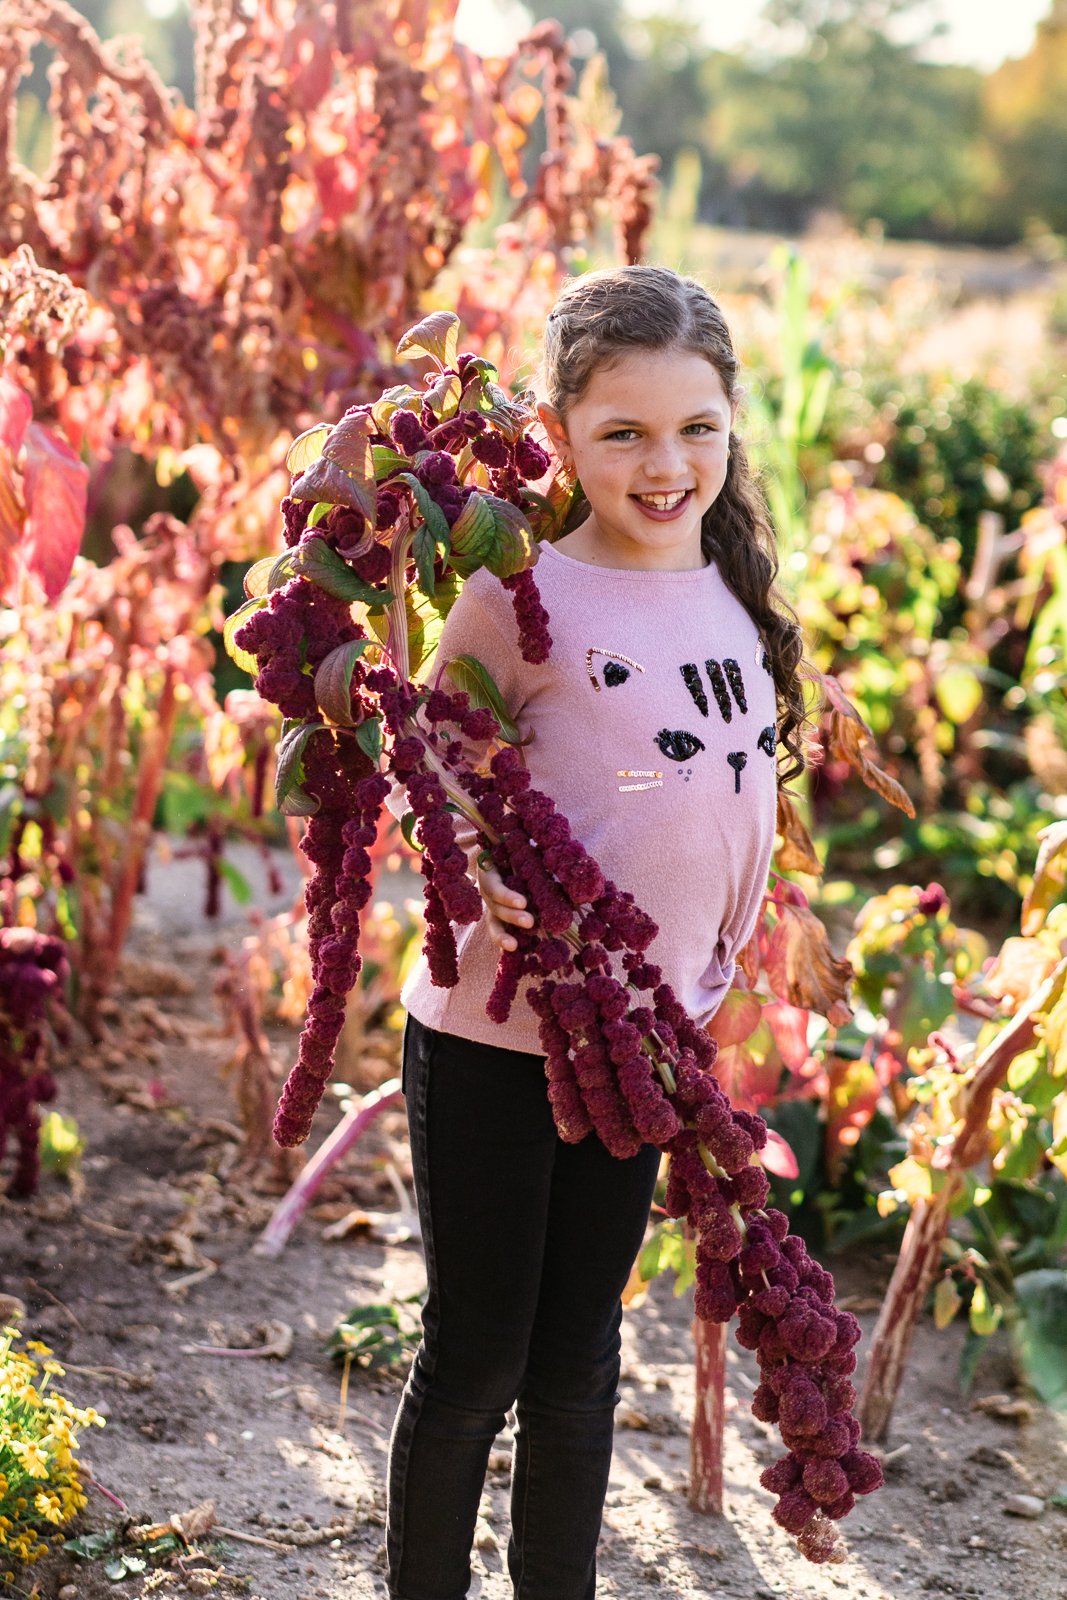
(1024, 1505)
(987, 1455)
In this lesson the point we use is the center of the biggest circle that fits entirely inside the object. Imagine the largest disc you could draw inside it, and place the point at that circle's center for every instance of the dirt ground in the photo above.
(154, 1256)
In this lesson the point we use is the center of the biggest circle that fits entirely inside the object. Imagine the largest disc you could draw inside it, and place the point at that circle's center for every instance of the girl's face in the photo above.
(649, 441)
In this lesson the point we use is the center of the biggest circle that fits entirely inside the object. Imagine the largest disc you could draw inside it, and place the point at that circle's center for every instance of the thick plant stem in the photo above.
(149, 781)
(705, 1434)
(916, 1268)
(352, 1126)
(920, 1252)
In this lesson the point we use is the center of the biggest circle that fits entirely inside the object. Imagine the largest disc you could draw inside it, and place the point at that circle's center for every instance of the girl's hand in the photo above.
(502, 905)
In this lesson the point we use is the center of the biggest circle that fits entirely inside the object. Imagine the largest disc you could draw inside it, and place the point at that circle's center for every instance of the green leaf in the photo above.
(91, 1546)
(490, 532)
(443, 396)
(649, 1261)
(61, 1144)
(498, 406)
(325, 480)
(369, 737)
(407, 828)
(349, 449)
(425, 616)
(307, 447)
(401, 397)
(282, 570)
(317, 561)
(984, 1314)
(184, 802)
(257, 576)
(243, 658)
(387, 460)
(320, 509)
(290, 798)
(973, 1350)
(239, 885)
(436, 336)
(429, 510)
(333, 681)
(424, 550)
(475, 376)
(475, 680)
(1041, 1297)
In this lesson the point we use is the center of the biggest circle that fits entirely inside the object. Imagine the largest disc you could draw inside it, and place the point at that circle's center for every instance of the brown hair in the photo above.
(602, 315)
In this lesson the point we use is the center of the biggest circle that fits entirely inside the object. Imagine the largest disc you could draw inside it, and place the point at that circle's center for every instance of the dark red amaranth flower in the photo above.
(932, 898)
(33, 970)
(535, 641)
(351, 794)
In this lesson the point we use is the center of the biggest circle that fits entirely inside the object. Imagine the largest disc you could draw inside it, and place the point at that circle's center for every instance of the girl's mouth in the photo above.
(663, 507)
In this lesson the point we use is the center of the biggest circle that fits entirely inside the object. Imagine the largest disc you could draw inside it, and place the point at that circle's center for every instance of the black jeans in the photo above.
(529, 1243)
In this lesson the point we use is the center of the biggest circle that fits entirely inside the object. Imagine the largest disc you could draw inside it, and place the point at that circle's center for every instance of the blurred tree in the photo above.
(167, 40)
(1026, 108)
(654, 65)
(848, 117)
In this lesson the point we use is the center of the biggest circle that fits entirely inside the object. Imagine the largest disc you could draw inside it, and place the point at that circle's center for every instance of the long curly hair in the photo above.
(603, 315)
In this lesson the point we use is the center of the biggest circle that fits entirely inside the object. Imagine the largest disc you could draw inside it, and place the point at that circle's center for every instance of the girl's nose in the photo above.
(665, 460)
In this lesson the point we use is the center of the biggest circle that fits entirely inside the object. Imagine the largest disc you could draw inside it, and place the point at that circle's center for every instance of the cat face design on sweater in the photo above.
(716, 689)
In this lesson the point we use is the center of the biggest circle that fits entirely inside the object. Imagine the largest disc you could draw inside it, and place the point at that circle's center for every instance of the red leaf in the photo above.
(738, 1016)
(749, 1076)
(16, 412)
(802, 969)
(777, 1156)
(57, 485)
(789, 1024)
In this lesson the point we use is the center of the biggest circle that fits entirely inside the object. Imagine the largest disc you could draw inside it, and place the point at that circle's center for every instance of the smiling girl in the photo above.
(655, 725)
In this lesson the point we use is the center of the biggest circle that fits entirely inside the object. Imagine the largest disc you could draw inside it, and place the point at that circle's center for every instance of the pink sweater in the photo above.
(653, 732)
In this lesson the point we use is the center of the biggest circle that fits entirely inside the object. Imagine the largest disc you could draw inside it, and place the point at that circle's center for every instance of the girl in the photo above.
(654, 725)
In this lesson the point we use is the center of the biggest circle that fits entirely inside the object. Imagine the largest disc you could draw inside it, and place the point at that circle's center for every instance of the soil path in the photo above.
(101, 1275)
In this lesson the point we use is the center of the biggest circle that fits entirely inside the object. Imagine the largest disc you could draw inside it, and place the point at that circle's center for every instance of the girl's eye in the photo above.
(698, 428)
(678, 745)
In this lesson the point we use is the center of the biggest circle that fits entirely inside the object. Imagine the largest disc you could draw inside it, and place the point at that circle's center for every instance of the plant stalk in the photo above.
(924, 1237)
(294, 1202)
(706, 1430)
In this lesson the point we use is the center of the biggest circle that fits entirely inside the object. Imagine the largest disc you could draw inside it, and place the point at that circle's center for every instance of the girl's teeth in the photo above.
(663, 502)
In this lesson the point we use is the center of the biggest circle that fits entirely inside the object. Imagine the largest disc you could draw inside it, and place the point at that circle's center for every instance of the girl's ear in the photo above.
(553, 425)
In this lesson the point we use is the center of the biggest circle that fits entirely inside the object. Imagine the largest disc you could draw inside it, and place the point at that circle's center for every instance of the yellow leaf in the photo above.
(959, 693)
(947, 1302)
(307, 447)
(912, 1179)
(1057, 1152)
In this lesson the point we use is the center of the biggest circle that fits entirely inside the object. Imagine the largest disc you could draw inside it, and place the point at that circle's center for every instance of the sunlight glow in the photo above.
(981, 33)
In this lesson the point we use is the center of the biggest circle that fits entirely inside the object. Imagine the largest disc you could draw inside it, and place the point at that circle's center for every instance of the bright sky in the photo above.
(981, 32)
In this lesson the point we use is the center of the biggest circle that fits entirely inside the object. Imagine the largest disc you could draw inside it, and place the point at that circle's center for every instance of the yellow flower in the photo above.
(37, 1347)
(32, 1457)
(48, 1504)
